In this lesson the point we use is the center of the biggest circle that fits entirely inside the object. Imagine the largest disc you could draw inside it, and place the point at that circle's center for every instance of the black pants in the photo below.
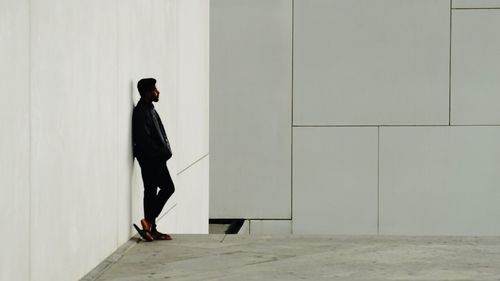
(155, 175)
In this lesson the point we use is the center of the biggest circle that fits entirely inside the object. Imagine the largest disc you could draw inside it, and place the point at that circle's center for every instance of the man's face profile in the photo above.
(155, 94)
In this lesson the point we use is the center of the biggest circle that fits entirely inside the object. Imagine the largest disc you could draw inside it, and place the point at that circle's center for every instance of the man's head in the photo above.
(147, 89)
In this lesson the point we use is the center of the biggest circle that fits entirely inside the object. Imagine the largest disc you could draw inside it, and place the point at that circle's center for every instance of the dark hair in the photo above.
(146, 85)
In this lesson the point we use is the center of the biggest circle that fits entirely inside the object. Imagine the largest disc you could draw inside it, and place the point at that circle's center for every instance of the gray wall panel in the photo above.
(371, 62)
(475, 87)
(364, 62)
(250, 108)
(476, 3)
(335, 180)
(439, 180)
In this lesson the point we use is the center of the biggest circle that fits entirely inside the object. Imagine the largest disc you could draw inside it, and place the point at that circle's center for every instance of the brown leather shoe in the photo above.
(146, 235)
(160, 236)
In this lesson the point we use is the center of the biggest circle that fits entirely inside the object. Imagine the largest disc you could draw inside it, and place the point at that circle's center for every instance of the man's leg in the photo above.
(149, 173)
(167, 188)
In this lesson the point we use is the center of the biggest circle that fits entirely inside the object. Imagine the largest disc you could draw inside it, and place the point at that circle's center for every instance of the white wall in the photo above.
(147, 47)
(15, 140)
(74, 136)
(395, 115)
(193, 117)
(69, 69)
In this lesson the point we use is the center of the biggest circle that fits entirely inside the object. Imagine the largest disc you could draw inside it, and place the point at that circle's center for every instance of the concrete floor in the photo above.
(244, 257)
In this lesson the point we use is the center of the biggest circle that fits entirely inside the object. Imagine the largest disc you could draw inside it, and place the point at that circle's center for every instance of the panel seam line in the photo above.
(374, 126)
(291, 130)
(192, 164)
(378, 180)
(30, 141)
(168, 211)
(449, 67)
(477, 8)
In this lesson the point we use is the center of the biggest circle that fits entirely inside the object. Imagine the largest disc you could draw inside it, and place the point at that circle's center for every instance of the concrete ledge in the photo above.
(112, 259)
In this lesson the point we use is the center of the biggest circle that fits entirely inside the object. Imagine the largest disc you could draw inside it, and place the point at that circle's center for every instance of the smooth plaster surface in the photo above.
(475, 87)
(368, 62)
(193, 199)
(192, 132)
(15, 139)
(70, 68)
(74, 136)
(192, 31)
(247, 257)
(250, 108)
(439, 180)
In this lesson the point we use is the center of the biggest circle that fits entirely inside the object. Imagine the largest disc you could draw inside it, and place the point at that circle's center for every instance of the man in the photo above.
(152, 150)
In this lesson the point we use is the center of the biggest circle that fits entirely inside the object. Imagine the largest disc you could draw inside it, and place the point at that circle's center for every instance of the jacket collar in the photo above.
(145, 104)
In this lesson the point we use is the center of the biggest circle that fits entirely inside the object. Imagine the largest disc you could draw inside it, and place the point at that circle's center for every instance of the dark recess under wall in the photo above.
(234, 224)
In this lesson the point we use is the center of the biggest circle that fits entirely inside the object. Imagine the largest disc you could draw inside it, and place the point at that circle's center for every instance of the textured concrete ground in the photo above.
(244, 257)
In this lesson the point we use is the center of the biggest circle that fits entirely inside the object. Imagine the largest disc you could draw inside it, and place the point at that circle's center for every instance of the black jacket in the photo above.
(149, 139)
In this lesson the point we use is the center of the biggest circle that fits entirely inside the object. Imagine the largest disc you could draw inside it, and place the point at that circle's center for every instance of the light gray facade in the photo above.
(394, 115)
